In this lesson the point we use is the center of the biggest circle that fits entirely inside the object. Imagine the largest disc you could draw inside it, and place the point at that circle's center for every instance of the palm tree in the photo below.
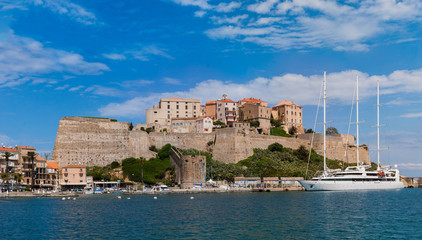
(4, 177)
(6, 156)
(32, 156)
(17, 177)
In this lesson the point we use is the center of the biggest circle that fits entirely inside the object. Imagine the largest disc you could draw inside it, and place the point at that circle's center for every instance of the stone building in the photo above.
(251, 109)
(173, 107)
(204, 125)
(27, 163)
(290, 115)
(226, 110)
(73, 177)
(190, 170)
(183, 125)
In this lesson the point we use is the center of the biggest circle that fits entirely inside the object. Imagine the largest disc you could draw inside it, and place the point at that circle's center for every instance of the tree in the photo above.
(130, 127)
(46, 155)
(254, 123)
(293, 130)
(275, 147)
(6, 157)
(142, 168)
(17, 177)
(114, 165)
(219, 123)
(309, 130)
(331, 131)
(275, 122)
(4, 177)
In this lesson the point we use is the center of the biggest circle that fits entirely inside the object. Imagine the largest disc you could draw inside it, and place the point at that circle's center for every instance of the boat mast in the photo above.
(378, 124)
(357, 122)
(325, 146)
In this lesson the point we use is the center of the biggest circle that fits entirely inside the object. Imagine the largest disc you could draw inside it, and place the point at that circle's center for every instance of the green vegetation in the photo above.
(130, 127)
(275, 131)
(106, 173)
(254, 123)
(331, 131)
(219, 123)
(277, 161)
(309, 130)
(210, 143)
(154, 170)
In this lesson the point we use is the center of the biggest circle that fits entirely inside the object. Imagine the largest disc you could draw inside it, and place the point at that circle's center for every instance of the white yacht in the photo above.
(356, 177)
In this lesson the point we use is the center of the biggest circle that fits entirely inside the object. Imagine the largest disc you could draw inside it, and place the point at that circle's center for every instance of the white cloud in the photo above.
(203, 4)
(6, 140)
(172, 81)
(227, 7)
(412, 115)
(21, 59)
(69, 9)
(114, 56)
(103, 91)
(136, 83)
(410, 166)
(230, 20)
(200, 14)
(298, 24)
(62, 87)
(303, 90)
(262, 7)
(144, 53)
(73, 89)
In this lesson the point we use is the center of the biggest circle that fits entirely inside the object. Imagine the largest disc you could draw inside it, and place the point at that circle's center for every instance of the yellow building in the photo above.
(290, 115)
(173, 107)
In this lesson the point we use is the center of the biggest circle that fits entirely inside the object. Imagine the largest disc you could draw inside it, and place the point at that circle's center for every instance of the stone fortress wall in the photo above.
(98, 142)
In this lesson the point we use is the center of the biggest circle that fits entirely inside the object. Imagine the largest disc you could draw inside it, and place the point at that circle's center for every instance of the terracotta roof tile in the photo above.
(226, 100)
(53, 165)
(27, 147)
(252, 100)
(40, 159)
(74, 166)
(4, 149)
(284, 102)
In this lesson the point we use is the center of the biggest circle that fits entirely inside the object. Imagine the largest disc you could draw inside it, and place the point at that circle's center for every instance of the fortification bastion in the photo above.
(99, 141)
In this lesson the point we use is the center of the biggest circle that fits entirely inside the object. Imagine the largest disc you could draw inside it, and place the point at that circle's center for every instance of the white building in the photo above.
(173, 107)
(204, 125)
(226, 110)
(13, 160)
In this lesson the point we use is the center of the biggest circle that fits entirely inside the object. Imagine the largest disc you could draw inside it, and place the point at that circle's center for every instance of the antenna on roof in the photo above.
(224, 96)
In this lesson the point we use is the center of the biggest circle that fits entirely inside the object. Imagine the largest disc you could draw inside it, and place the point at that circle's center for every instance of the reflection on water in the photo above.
(299, 215)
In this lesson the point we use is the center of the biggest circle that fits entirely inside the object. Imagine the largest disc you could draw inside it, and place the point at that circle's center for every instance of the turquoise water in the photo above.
(285, 215)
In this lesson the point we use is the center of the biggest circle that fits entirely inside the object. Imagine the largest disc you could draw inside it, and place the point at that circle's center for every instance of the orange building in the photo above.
(73, 177)
(290, 114)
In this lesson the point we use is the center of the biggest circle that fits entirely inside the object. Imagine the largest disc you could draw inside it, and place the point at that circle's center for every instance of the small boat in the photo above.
(355, 177)
(88, 190)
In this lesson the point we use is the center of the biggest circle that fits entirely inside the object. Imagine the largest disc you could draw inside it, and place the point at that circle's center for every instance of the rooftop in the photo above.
(40, 159)
(26, 147)
(252, 100)
(4, 149)
(285, 102)
(74, 166)
(53, 165)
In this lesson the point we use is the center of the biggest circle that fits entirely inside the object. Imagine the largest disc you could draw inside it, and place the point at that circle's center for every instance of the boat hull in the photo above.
(317, 185)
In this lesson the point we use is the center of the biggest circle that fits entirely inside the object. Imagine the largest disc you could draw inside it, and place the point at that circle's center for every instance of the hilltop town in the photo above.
(229, 130)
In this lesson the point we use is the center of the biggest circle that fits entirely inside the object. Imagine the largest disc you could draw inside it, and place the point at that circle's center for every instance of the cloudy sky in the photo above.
(114, 59)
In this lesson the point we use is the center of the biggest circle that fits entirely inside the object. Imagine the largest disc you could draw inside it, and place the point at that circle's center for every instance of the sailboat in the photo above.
(354, 177)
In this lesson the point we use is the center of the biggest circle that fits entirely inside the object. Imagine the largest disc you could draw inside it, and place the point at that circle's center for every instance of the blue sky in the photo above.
(116, 58)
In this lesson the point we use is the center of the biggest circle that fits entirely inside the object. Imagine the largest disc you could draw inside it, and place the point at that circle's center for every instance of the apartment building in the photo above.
(290, 115)
(251, 109)
(211, 109)
(12, 164)
(226, 110)
(27, 163)
(73, 177)
(52, 182)
(173, 107)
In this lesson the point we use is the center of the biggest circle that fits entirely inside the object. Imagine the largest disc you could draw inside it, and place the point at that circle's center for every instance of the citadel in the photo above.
(185, 124)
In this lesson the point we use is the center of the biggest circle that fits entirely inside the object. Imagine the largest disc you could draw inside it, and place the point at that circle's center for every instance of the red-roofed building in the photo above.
(26, 166)
(290, 115)
(253, 101)
(255, 110)
(226, 110)
(73, 177)
(52, 182)
(211, 109)
(12, 164)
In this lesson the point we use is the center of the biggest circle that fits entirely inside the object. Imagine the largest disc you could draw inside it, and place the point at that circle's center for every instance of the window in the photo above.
(194, 115)
(81, 174)
(177, 106)
(168, 116)
(194, 107)
(65, 169)
(168, 106)
(65, 175)
(80, 170)
(186, 107)
(155, 111)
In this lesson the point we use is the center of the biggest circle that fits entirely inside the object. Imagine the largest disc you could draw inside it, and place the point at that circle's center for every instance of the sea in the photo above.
(392, 214)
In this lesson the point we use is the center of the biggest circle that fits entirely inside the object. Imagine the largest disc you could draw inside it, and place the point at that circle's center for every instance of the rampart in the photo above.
(92, 141)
